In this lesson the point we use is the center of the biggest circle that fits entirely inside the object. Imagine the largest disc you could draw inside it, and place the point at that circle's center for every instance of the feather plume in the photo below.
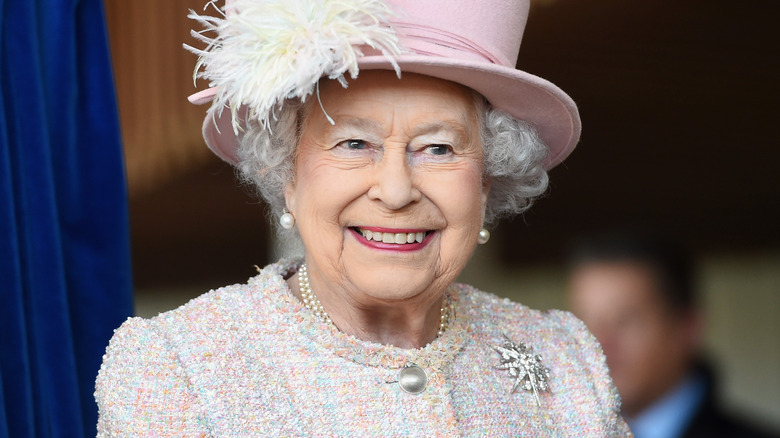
(266, 51)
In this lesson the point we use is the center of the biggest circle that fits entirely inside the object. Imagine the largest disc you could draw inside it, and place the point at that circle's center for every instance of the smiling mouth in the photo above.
(396, 238)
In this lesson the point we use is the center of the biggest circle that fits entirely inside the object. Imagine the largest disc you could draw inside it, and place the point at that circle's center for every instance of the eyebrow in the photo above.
(370, 125)
(443, 125)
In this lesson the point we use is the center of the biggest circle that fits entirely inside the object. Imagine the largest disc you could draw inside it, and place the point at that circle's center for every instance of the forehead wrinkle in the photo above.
(370, 126)
(359, 123)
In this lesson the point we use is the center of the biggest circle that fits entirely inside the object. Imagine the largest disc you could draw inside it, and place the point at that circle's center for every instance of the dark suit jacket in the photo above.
(711, 422)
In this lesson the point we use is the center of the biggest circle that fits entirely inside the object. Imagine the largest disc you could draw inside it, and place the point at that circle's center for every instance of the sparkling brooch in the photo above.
(524, 366)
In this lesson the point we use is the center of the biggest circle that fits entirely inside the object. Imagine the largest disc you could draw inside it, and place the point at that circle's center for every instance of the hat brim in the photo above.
(526, 97)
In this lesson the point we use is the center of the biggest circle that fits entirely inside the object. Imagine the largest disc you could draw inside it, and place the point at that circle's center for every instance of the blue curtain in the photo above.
(64, 245)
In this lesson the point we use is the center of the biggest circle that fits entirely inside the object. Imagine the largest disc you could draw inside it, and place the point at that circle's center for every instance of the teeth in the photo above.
(397, 238)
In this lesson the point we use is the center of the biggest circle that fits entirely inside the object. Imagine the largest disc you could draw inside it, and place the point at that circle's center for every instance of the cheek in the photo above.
(458, 196)
(323, 186)
(642, 345)
(461, 196)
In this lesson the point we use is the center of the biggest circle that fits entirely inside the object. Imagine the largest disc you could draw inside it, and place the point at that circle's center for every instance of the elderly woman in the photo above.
(386, 179)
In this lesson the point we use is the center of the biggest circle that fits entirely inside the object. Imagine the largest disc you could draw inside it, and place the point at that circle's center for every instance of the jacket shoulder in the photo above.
(141, 389)
(579, 377)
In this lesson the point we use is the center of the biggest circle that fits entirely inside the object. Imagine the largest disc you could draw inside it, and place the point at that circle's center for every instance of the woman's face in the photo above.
(402, 163)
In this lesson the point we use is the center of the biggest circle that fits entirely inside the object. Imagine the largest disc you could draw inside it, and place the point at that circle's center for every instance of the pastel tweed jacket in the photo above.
(249, 360)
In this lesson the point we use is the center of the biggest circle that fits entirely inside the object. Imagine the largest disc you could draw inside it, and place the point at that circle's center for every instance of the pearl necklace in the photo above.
(311, 302)
(309, 299)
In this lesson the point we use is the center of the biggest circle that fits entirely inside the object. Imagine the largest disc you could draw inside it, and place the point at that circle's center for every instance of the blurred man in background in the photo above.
(636, 293)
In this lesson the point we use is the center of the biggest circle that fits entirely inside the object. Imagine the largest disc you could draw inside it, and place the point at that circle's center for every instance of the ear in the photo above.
(289, 197)
(485, 196)
(694, 327)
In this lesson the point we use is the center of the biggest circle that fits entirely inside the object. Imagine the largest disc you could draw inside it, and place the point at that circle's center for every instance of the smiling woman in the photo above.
(385, 187)
(403, 158)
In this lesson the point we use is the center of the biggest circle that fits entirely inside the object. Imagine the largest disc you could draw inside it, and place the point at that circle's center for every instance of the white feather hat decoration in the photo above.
(266, 51)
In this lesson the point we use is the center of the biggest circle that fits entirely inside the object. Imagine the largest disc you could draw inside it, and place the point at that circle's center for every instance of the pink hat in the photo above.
(471, 42)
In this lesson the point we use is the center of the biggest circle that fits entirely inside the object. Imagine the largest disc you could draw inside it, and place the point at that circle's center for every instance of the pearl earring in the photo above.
(287, 220)
(484, 236)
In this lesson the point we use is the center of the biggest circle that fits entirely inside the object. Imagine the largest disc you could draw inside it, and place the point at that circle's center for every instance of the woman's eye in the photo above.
(355, 144)
(439, 149)
(355, 148)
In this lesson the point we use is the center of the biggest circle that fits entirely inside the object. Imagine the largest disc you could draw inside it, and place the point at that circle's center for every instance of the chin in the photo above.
(394, 282)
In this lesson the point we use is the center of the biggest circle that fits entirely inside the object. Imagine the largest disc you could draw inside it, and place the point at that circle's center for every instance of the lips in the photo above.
(398, 237)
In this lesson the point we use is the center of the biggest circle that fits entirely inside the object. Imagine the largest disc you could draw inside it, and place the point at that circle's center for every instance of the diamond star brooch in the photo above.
(524, 366)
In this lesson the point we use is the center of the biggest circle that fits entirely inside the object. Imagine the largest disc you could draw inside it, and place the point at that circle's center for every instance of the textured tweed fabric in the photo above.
(249, 360)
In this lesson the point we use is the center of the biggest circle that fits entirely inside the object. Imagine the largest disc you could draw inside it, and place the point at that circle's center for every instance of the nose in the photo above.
(393, 182)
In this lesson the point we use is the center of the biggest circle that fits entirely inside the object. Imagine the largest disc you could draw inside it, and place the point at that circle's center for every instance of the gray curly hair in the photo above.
(513, 158)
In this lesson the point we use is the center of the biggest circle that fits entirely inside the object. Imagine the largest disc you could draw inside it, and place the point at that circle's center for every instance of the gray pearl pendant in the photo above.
(412, 379)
